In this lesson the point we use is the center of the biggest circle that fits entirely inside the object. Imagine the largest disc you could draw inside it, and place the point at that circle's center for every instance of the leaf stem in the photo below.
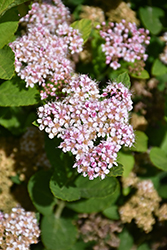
(60, 206)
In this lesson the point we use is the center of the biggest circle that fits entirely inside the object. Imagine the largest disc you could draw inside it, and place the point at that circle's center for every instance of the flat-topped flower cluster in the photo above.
(48, 13)
(18, 230)
(43, 55)
(93, 126)
(123, 41)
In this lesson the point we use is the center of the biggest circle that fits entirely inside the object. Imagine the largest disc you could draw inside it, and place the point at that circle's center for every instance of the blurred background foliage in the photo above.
(127, 212)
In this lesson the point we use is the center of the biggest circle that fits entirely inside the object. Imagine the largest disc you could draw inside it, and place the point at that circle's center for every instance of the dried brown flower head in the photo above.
(95, 14)
(103, 231)
(141, 205)
(123, 11)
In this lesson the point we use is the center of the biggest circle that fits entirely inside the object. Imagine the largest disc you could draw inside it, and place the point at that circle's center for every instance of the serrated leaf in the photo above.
(159, 158)
(62, 189)
(39, 191)
(13, 93)
(95, 204)
(141, 140)
(150, 17)
(96, 188)
(125, 79)
(84, 26)
(116, 170)
(143, 75)
(158, 68)
(7, 30)
(7, 4)
(57, 233)
(6, 63)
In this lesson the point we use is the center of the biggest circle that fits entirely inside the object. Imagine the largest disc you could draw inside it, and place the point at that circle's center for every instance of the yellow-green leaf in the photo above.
(84, 26)
(6, 63)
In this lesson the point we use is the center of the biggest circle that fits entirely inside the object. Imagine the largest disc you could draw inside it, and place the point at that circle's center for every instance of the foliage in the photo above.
(61, 192)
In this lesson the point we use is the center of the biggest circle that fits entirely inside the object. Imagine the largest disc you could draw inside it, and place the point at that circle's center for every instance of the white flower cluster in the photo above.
(18, 230)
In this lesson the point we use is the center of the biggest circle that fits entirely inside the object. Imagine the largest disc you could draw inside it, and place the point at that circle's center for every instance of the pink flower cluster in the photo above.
(47, 14)
(93, 126)
(43, 54)
(18, 230)
(123, 41)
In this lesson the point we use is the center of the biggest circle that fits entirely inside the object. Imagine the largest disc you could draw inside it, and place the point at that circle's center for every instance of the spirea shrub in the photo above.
(70, 71)
(93, 126)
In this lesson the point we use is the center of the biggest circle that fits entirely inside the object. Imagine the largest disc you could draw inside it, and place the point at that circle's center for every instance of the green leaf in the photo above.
(80, 245)
(7, 4)
(159, 158)
(61, 184)
(54, 154)
(13, 93)
(112, 213)
(162, 191)
(127, 160)
(140, 144)
(84, 26)
(35, 123)
(161, 82)
(39, 191)
(158, 68)
(143, 75)
(6, 63)
(98, 57)
(143, 247)
(96, 188)
(7, 30)
(163, 144)
(62, 188)
(125, 79)
(15, 179)
(75, 2)
(13, 119)
(12, 15)
(116, 170)
(126, 240)
(95, 204)
(150, 17)
(57, 233)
